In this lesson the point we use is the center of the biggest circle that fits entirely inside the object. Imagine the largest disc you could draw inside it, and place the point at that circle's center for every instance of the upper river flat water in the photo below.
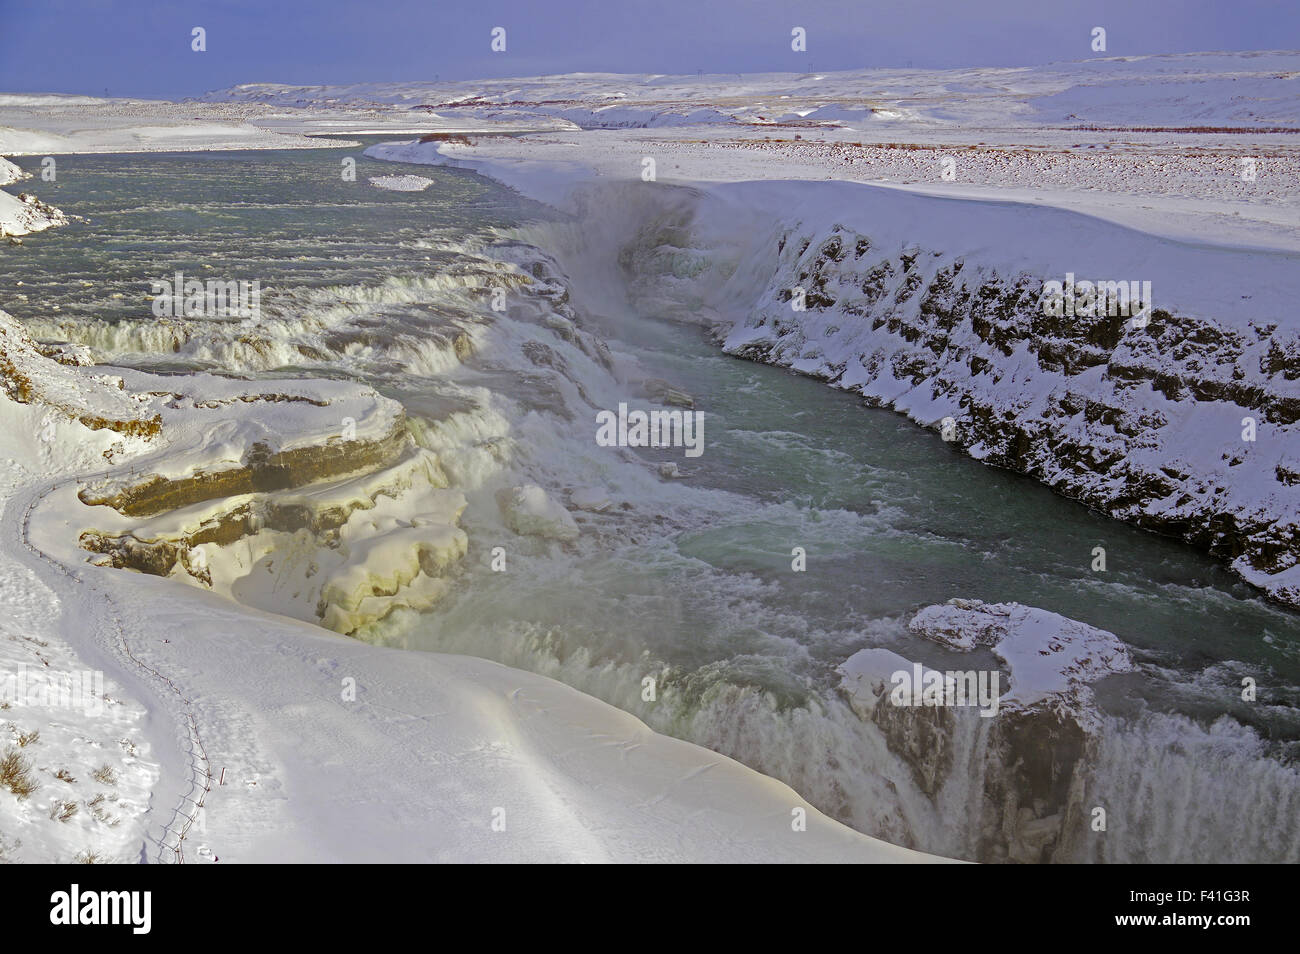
(689, 580)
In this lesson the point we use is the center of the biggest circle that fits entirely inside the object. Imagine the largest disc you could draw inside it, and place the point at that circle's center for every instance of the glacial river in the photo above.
(689, 580)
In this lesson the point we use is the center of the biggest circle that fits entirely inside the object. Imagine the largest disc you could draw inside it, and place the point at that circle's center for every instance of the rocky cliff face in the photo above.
(1182, 425)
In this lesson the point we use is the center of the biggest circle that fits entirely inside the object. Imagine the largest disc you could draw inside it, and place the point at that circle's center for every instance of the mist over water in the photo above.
(689, 580)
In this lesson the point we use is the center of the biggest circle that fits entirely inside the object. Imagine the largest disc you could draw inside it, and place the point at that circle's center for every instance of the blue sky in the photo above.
(142, 47)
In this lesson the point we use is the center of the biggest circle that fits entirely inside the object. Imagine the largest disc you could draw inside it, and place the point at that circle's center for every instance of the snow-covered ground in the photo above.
(47, 123)
(1248, 89)
(1155, 142)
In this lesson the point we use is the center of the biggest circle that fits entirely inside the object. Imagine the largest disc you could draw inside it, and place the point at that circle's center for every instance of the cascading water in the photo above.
(687, 580)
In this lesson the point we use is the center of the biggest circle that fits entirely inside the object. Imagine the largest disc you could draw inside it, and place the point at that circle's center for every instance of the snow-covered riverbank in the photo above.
(23, 213)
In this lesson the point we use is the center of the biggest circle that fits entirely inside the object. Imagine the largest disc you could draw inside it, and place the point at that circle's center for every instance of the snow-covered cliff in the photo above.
(1181, 418)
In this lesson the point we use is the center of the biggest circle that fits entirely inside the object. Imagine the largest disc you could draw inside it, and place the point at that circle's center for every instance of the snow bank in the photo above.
(1184, 422)
(97, 400)
(475, 762)
(24, 213)
(10, 172)
(401, 183)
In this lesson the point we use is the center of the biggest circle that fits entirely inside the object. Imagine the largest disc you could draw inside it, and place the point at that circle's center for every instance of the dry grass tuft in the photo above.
(104, 775)
(16, 774)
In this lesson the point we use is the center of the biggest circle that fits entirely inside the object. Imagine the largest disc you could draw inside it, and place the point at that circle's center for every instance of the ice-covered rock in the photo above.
(660, 390)
(402, 568)
(401, 183)
(343, 553)
(1047, 654)
(592, 499)
(235, 437)
(1029, 755)
(866, 672)
(529, 511)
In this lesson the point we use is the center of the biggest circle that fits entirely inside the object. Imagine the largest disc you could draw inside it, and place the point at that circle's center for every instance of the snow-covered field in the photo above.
(1247, 89)
(955, 195)
(1154, 142)
(33, 124)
